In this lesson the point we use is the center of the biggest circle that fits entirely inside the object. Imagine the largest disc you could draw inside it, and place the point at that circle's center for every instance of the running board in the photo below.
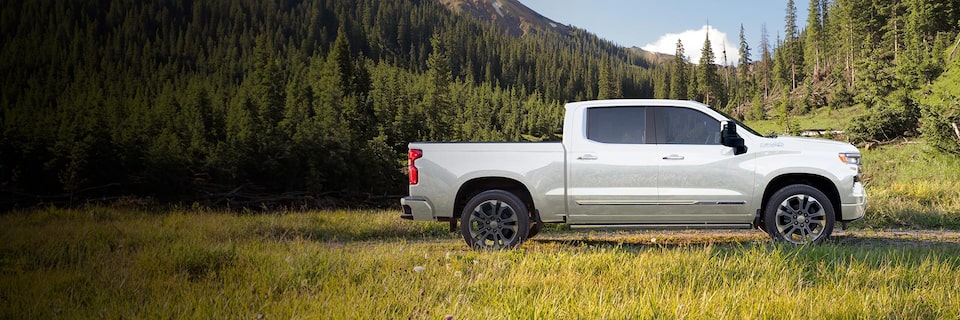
(663, 226)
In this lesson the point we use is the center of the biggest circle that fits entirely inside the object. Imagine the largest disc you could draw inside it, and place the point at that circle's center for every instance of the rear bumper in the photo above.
(416, 209)
(855, 211)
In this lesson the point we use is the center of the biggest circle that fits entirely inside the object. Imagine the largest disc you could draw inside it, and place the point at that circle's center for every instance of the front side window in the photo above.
(687, 126)
(621, 125)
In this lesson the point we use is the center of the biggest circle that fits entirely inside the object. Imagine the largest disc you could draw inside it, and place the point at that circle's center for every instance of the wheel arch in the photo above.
(475, 186)
(819, 182)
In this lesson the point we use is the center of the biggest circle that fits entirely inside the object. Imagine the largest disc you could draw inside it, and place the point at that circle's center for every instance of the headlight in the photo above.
(850, 158)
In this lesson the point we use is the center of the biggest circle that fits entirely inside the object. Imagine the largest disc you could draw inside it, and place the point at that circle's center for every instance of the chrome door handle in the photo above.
(587, 157)
(673, 157)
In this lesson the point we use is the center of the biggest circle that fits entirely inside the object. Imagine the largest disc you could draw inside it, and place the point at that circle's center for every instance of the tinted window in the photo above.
(687, 126)
(624, 125)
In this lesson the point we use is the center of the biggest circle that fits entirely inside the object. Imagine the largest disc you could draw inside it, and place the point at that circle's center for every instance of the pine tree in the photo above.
(813, 41)
(678, 74)
(608, 84)
(766, 61)
(792, 58)
(437, 106)
(709, 81)
(743, 64)
(757, 112)
(342, 56)
(661, 85)
(267, 93)
(742, 86)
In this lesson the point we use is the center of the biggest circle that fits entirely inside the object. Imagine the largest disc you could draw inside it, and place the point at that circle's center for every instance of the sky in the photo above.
(655, 25)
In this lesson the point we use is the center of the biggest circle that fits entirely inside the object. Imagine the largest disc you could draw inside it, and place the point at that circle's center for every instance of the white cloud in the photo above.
(693, 43)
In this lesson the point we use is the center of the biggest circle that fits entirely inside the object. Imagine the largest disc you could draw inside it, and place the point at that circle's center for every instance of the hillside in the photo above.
(509, 15)
(235, 102)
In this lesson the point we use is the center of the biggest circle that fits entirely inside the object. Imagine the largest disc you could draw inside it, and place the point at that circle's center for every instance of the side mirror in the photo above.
(730, 138)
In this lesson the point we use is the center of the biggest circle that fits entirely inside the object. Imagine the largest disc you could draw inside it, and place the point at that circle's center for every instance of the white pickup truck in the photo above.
(638, 164)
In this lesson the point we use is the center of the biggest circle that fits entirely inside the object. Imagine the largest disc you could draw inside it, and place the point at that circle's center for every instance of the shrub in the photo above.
(896, 117)
(940, 108)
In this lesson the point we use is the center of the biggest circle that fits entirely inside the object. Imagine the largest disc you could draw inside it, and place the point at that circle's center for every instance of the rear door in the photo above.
(612, 168)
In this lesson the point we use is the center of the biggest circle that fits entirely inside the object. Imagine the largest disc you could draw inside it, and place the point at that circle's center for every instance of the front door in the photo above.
(700, 180)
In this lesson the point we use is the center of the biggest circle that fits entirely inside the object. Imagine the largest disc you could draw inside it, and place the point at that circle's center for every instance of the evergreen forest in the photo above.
(187, 100)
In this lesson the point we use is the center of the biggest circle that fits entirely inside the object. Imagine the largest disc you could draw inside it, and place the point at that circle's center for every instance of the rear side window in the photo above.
(621, 125)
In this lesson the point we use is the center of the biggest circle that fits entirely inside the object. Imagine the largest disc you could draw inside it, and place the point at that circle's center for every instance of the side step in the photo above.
(662, 226)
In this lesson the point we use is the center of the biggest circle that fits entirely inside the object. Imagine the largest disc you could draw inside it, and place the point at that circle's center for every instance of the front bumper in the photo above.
(855, 211)
(416, 209)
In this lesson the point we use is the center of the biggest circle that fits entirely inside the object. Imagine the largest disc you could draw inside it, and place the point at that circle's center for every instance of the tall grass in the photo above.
(910, 185)
(102, 262)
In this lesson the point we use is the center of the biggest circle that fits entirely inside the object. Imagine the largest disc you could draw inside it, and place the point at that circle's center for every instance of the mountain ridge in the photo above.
(516, 19)
(511, 15)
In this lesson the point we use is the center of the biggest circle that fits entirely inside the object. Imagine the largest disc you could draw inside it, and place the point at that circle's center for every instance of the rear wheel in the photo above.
(494, 219)
(799, 214)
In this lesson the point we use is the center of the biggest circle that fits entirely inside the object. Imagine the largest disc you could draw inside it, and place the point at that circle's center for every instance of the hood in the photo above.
(809, 144)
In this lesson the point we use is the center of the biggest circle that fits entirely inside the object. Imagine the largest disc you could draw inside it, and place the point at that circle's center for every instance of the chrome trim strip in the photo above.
(660, 203)
(663, 226)
(617, 202)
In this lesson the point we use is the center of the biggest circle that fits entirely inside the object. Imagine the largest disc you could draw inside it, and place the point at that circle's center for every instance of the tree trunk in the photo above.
(954, 48)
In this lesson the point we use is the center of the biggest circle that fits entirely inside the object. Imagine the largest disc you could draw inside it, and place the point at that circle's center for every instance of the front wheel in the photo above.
(799, 214)
(494, 219)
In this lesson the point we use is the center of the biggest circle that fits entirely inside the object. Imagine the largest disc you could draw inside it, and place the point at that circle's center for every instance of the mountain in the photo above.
(510, 15)
(516, 19)
(655, 57)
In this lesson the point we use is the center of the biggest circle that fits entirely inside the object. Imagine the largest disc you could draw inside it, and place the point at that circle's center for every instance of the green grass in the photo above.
(910, 185)
(102, 262)
(823, 118)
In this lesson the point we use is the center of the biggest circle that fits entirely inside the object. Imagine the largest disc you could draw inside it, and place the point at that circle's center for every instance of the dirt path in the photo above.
(692, 237)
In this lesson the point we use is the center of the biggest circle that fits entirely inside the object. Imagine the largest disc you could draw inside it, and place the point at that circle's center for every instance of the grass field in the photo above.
(102, 262)
(911, 186)
(119, 262)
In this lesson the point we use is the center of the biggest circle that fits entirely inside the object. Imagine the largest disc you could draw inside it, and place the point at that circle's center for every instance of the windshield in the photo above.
(740, 124)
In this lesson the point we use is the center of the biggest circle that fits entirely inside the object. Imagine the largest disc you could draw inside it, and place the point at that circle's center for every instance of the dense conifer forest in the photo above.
(178, 98)
(194, 100)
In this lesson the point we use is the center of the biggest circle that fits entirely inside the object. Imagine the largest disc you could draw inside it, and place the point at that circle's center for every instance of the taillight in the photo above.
(412, 157)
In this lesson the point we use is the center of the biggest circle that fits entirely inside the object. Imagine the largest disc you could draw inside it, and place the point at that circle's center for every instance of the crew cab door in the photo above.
(700, 180)
(612, 166)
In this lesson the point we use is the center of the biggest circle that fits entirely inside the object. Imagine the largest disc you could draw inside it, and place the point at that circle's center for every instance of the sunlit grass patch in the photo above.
(824, 118)
(67, 263)
(910, 185)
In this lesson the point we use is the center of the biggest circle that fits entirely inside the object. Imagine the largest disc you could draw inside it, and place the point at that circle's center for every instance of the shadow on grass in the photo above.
(645, 242)
(357, 233)
(890, 238)
(852, 239)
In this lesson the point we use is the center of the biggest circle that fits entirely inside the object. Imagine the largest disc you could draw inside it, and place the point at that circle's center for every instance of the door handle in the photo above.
(587, 157)
(673, 157)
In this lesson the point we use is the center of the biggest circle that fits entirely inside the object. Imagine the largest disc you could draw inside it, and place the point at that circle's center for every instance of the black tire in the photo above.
(799, 214)
(494, 219)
